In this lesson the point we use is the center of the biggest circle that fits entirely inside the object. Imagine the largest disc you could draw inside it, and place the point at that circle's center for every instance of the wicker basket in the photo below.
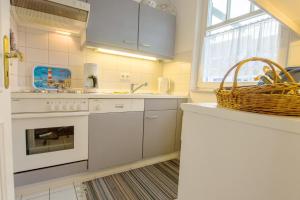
(275, 99)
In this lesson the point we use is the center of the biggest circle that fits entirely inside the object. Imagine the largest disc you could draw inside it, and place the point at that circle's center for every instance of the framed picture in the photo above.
(51, 78)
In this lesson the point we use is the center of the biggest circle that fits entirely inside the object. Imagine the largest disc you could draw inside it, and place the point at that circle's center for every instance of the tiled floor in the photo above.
(158, 181)
(71, 192)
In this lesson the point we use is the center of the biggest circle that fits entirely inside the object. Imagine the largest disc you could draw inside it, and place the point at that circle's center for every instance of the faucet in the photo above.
(133, 90)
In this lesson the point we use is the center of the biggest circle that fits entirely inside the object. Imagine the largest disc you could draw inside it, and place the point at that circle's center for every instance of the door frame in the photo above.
(6, 154)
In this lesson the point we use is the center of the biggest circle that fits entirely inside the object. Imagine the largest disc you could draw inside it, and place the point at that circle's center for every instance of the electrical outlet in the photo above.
(125, 76)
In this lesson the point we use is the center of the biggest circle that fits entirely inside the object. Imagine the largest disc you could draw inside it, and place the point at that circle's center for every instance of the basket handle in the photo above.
(270, 63)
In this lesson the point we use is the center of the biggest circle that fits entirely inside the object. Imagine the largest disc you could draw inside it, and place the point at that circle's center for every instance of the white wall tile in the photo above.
(76, 59)
(111, 75)
(21, 39)
(29, 69)
(77, 83)
(58, 42)
(49, 48)
(28, 81)
(13, 66)
(58, 58)
(36, 55)
(21, 68)
(21, 81)
(22, 28)
(76, 72)
(74, 45)
(37, 39)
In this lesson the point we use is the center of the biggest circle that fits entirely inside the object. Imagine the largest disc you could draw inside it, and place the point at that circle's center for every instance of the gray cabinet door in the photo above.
(179, 124)
(157, 32)
(113, 23)
(115, 139)
(159, 132)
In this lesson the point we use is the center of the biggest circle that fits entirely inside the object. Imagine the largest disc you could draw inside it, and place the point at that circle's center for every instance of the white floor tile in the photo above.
(66, 193)
(41, 196)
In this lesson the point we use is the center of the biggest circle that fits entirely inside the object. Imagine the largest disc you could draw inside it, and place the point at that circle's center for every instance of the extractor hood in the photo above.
(59, 15)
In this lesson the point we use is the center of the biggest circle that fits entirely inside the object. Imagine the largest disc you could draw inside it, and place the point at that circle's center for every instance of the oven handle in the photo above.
(48, 115)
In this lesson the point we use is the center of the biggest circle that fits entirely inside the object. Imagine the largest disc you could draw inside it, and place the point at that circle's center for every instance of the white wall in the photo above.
(294, 54)
(186, 16)
(185, 35)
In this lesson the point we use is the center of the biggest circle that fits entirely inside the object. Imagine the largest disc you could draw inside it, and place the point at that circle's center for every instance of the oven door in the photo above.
(45, 140)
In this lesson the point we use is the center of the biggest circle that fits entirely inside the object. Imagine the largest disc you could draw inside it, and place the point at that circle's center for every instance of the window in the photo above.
(239, 8)
(236, 30)
(222, 10)
(217, 11)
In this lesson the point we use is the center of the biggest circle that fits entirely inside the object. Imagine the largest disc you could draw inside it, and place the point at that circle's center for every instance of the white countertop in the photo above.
(94, 96)
(284, 123)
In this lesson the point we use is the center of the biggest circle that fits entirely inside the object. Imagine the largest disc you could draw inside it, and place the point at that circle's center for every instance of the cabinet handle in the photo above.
(119, 106)
(146, 45)
(129, 42)
(152, 117)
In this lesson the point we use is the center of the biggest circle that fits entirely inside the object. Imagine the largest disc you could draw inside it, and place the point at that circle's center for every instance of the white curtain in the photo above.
(223, 50)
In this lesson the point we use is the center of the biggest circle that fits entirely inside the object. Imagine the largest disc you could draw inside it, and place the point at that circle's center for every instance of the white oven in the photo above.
(49, 132)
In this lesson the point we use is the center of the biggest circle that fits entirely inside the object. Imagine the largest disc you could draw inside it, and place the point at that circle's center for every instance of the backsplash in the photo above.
(54, 49)
(179, 73)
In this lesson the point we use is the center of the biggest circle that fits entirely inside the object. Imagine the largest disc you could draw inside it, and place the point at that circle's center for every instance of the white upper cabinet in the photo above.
(286, 11)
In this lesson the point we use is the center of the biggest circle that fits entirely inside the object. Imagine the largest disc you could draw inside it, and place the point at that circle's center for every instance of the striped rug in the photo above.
(155, 182)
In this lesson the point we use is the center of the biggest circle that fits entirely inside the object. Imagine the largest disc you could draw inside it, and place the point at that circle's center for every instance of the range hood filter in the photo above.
(68, 15)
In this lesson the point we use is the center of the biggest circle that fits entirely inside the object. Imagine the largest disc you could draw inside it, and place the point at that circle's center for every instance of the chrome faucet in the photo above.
(133, 90)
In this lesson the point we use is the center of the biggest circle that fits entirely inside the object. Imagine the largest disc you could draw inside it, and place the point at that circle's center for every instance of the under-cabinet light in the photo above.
(121, 53)
(63, 32)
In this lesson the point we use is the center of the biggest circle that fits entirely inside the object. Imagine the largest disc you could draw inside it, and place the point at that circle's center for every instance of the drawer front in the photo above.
(160, 104)
(45, 174)
(116, 105)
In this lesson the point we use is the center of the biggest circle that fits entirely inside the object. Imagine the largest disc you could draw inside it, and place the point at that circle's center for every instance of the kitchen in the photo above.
(93, 93)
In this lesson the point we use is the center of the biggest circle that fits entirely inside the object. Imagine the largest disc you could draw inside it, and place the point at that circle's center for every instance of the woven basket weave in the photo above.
(276, 99)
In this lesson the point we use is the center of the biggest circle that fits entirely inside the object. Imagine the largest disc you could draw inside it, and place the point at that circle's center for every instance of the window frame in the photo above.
(201, 29)
(229, 20)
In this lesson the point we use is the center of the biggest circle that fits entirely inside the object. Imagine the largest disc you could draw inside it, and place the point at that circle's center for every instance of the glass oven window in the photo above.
(45, 140)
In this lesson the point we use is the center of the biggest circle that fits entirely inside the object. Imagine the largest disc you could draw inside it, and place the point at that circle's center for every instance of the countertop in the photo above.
(284, 123)
(94, 96)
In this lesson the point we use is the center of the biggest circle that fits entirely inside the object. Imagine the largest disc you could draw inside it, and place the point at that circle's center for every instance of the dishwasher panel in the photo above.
(115, 139)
